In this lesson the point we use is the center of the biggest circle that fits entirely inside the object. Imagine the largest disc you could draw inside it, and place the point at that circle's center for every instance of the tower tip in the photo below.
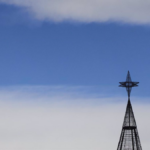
(128, 84)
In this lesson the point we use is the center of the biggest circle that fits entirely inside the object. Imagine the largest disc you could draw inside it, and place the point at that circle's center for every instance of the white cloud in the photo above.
(62, 118)
(129, 11)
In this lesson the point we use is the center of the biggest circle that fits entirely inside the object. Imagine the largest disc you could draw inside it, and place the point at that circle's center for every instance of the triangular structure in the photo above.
(129, 120)
(129, 139)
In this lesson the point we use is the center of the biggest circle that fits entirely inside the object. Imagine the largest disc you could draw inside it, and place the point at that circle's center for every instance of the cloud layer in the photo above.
(53, 118)
(129, 11)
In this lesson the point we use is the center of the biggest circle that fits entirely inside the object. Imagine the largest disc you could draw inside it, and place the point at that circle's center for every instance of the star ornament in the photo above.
(128, 84)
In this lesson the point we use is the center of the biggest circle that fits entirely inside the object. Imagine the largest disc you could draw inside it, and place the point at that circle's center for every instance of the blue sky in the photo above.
(71, 53)
(60, 66)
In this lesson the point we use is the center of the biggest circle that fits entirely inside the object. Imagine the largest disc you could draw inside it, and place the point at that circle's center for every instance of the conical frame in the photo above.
(129, 139)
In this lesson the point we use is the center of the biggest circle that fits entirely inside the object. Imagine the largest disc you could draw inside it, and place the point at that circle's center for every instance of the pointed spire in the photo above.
(128, 79)
(129, 139)
(128, 84)
(129, 120)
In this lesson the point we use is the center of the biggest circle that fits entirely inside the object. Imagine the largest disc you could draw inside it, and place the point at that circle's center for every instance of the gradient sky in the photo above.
(67, 60)
(37, 52)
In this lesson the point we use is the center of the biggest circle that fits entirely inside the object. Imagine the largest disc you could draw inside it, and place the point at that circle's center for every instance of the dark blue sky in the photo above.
(69, 53)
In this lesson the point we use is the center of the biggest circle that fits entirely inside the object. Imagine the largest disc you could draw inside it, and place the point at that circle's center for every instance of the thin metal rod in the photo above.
(132, 139)
(122, 139)
(136, 140)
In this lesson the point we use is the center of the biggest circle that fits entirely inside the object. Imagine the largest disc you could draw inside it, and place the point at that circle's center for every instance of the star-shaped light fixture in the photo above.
(128, 84)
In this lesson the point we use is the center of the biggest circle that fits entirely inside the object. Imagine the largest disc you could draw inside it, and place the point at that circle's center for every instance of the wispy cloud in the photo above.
(135, 11)
(55, 118)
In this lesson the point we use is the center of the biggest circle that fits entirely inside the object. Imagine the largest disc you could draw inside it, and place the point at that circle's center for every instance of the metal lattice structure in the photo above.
(129, 139)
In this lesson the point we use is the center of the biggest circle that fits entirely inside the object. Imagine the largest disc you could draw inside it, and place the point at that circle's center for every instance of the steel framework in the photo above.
(129, 139)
